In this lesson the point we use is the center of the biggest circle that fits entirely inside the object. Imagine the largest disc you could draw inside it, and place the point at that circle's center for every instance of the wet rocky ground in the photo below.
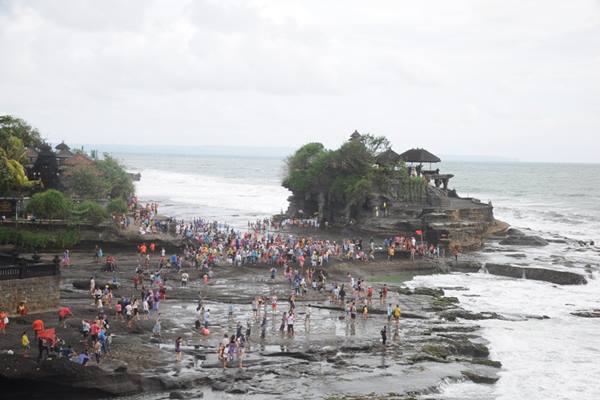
(436, 341)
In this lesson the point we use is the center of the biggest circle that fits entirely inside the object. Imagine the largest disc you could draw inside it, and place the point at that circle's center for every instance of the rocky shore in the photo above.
(426, 349)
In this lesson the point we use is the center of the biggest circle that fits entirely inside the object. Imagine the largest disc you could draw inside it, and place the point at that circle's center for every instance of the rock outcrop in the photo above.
(538, 274)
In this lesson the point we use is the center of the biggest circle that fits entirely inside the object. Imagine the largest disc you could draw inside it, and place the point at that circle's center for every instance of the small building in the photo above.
(355, 135)
(388, 158)
(63, 153)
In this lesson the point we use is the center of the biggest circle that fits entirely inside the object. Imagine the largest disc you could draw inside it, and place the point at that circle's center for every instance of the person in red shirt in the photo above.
(63, 313)
(152, 247)
(38, 326)
(3, 318)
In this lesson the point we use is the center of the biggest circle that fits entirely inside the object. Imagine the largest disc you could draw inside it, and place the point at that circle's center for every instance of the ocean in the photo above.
(552, 358)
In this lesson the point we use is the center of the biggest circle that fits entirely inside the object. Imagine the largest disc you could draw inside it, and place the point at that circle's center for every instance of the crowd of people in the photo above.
(302, 261)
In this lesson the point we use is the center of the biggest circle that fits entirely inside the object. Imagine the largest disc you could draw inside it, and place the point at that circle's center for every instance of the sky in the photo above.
(508, 78)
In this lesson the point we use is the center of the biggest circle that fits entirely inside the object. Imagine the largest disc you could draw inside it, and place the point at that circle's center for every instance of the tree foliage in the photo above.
(11, 127)
(346, 176)
(13, 178)
(117, 206)
(86, 182)
(118, 180)
(90, 211)
(50, 204)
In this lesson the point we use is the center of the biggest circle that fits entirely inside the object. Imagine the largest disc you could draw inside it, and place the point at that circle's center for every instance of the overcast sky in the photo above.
(513, 78)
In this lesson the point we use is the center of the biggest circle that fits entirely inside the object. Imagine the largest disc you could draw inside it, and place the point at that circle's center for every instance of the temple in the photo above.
(418, 200)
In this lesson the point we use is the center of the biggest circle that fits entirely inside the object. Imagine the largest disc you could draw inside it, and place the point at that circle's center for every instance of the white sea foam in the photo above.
(553, 358)
(185, 195)
(542, 359)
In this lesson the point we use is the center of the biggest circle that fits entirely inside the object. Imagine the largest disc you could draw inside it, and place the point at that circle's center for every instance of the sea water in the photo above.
(555, 358)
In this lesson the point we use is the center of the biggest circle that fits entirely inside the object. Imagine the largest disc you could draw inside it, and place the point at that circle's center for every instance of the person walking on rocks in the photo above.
(184, 279)
(384, 335)
(178, 349)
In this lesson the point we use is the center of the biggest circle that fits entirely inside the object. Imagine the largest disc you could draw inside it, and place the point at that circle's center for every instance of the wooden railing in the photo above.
(28, 271)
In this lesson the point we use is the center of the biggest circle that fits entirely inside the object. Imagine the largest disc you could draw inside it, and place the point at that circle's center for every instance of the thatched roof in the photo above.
(79, 159)
(388, 157)
(64, 153)
(419, 156)
(62, 146)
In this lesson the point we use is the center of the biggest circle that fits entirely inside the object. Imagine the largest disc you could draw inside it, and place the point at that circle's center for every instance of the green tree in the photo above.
(16, 127)
(90, 211)
(87, 182)
(50, 204)
(118, 180)
(117, 206)
(13, 178)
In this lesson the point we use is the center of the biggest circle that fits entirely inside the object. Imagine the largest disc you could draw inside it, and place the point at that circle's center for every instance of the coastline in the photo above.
(135, 355)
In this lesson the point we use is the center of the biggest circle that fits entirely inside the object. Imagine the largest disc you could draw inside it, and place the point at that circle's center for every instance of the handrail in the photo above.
(28, 271)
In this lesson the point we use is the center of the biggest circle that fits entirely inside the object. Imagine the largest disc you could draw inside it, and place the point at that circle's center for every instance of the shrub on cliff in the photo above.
(117, 206)
(50, 204)
(118, 180)
(38, 240)
(90, 211)
(86, 182)
(342, 178)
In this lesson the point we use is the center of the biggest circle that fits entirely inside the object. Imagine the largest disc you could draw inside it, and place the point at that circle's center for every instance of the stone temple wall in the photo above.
(40, 293)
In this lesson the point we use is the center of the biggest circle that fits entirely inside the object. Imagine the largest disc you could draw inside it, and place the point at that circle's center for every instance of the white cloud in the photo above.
(450, 76)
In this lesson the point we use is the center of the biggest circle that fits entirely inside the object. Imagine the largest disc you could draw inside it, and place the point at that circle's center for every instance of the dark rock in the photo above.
(176, 395)
(293, 354)
(85, 285)
(428, 291)
(238, 388)
(524, 241)
(424, 291)
(486, 362)
(452, 315)
(436, 350)
(466, 266)
(465, 347)
(538, 274)
(514, 232)
(478, 378)
(587, 314)
(517, 255)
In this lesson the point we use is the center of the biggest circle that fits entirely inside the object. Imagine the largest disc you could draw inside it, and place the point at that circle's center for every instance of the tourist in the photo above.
(178, 349)
(184, 278)
(283, 322)
(396, 314)
(66, 260)
(384, 335)
(241, 346)
(63, 314)
(206, 318)
(290, 324)
(263, 326)
(83, 358)
(156, 328)
(3, 321)
(37, 326)
(25, 344)
(22, 309)
(97, 347)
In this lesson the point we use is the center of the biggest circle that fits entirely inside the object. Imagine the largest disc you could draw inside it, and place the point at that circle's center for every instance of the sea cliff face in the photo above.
(444, 218)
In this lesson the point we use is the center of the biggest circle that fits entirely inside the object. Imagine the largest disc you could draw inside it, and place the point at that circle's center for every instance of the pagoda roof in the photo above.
(387, 157)
(419, 156)
(64, 153)
(62, 146)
